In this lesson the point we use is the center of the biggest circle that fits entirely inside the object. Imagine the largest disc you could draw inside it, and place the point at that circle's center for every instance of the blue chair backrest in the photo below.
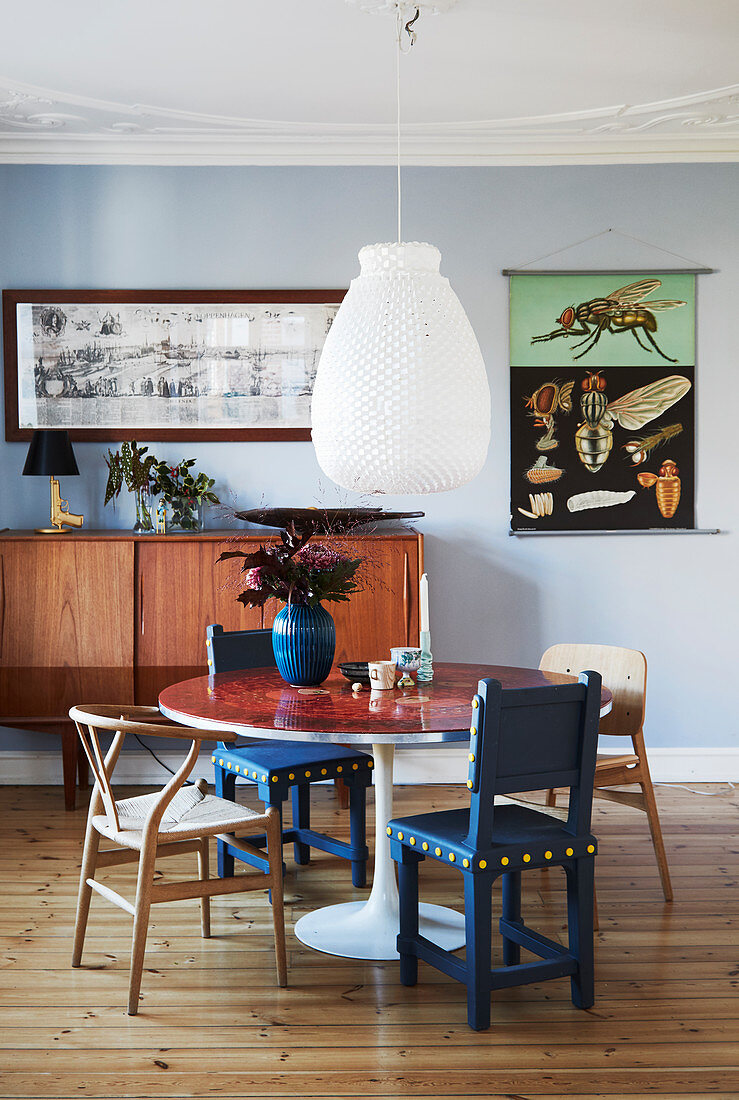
(232, 650)
(530, 740)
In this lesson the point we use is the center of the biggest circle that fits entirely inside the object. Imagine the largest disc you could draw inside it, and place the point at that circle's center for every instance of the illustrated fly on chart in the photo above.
(621, 311)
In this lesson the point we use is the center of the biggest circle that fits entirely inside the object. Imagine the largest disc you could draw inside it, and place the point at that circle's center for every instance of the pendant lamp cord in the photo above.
(407, 26)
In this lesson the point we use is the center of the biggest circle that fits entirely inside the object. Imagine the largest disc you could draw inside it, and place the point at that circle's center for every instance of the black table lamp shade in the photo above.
(50, 453)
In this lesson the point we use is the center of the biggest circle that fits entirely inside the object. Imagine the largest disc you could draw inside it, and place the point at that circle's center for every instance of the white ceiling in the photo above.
(313, 81)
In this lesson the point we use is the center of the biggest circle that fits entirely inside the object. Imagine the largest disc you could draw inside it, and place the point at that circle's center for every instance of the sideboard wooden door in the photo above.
(66, 634)
(179, 589)
(385, 612)
(66, 625)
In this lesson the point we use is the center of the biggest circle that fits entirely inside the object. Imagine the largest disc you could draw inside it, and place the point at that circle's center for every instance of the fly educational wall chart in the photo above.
(602, 401)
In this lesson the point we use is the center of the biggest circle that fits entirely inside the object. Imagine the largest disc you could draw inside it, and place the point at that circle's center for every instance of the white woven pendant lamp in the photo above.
(401, 402)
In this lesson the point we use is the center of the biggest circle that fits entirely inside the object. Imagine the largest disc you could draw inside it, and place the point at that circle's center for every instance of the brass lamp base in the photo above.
(60, 514)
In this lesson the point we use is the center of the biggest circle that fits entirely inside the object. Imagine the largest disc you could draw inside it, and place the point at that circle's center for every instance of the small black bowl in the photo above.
(356, 672)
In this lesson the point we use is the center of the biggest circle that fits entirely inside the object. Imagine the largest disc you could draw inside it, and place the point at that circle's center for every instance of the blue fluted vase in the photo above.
(304, 641)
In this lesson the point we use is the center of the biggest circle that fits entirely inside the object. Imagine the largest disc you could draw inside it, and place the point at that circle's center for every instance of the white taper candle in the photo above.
(424, 602)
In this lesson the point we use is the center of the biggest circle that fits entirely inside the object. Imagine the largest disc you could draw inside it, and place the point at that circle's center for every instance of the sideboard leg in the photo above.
(69, 764)
(342, 793)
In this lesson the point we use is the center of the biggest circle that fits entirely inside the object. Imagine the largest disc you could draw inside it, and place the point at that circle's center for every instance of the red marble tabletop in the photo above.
(259, 699)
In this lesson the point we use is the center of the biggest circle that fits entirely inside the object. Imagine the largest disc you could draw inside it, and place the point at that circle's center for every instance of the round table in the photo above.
(258, 702)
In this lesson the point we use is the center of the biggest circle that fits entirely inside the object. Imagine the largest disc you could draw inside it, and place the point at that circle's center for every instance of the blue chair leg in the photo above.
(357, 832)
(478, 931)
(511, 910)
(301, 820)
(580, 891)
(225, 788)
(408, 890)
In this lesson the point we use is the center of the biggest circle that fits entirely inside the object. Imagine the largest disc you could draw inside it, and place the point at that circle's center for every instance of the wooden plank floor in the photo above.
(213, 1023)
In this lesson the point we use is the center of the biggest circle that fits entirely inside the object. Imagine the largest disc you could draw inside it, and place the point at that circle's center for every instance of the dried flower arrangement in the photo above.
(295, 574)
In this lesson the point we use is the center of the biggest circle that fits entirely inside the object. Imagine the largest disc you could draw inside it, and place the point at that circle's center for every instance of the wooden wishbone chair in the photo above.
(624, 671)
(173, 821)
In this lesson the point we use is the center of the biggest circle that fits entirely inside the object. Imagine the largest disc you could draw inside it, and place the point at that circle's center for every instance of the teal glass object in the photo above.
(425, 672)
(304, 642)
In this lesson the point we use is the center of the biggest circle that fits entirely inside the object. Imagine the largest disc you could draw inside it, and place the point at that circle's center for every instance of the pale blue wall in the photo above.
(493, 597)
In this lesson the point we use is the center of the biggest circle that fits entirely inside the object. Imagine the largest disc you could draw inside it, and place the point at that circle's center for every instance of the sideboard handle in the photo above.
(407, 596)
(141, 600)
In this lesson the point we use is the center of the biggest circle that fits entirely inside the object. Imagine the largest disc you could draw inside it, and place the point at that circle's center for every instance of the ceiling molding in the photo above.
(39, 125)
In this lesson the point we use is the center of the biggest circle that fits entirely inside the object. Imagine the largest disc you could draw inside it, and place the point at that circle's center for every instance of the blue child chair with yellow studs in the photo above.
(521, 740)
(277, 767)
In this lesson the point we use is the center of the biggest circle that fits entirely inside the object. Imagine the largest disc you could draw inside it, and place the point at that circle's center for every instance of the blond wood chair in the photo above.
(175, 820)
(624, 671)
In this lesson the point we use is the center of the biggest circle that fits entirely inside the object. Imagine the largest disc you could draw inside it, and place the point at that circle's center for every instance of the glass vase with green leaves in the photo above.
(132, 466)
(184, 491)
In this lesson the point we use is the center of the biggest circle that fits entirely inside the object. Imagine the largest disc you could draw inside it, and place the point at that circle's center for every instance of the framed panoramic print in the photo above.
(602, 401)
(164, 364)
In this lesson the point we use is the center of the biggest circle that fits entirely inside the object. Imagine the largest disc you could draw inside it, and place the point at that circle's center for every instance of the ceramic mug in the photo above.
(381, 674)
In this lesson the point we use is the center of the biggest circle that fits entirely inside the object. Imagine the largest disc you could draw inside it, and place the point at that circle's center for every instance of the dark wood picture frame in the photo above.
(108, 299)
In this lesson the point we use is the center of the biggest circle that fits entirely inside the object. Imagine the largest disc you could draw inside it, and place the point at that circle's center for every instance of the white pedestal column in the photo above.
(369, 929)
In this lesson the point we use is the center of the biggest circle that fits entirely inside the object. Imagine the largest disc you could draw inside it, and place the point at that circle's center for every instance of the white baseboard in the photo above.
(445, 764)
(448, 764)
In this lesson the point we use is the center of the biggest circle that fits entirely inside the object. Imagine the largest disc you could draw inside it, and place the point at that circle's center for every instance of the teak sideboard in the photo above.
(114, 617)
